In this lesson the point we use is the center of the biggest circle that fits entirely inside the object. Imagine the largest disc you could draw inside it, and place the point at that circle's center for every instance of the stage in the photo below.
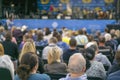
(90, 25)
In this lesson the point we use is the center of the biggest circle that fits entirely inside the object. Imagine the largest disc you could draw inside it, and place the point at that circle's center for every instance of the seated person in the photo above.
(28, 68)
(69, 52)
(76, 68)
(40, 40)
(51, 43)
(5, 61)
(96, 68)
(115, 67)
(54, 63)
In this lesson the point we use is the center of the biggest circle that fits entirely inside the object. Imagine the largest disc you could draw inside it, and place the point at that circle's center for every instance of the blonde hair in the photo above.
(53, 55)
(117, 33)
(2, 29)
(27, 47)
(1, 50)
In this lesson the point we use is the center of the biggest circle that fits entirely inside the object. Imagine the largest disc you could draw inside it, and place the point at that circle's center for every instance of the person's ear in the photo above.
(84, 69)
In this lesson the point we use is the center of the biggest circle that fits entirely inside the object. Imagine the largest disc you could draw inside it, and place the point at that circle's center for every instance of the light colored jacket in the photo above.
(5, 62)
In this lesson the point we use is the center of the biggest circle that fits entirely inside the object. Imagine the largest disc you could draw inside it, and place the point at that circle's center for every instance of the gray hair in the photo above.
(76, 63)
(107, 37)
(53, 40)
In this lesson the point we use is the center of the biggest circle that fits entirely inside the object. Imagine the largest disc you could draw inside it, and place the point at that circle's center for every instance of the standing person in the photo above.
(27, 69)
(9, 22)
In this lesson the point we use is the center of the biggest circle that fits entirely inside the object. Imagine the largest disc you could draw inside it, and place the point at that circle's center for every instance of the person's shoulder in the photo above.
(97, 63)
(16, 77)
(38, 76)
(5, 57)
(114, 76)
(117, 73)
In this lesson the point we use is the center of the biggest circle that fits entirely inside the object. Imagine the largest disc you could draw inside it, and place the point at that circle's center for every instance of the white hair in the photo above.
(76, 63)
(107, 37)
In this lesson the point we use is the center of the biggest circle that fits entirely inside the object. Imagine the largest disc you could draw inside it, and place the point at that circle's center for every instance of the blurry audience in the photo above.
(61, 53)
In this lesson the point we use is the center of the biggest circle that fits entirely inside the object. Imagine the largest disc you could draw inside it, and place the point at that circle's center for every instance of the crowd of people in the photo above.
(59, 13)
(76, 54)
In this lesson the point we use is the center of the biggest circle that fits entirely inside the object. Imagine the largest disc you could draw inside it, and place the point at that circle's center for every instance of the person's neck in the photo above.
(33, 71)
(74, 75)
(101, 44)
(72, 48)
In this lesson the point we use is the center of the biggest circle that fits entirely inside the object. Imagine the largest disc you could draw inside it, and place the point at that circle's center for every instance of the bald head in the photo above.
(77, 63)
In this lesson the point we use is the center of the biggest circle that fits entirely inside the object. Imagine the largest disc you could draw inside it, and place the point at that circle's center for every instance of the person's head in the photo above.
(25, 37)
(89, 53)
(106, 30)
(53, 55)
(90, 38)
(1, 50)
(55, 33)
(117, 55)
(1, 29)
(47, 31)
(40, 35)
(101, 39)
(80, 31)
(107, 37)
(73, 42)
(27, 47)
(8, 36)
(77, 64)
(59, 37)
(117, 33)
(52, 40)
(28, 65)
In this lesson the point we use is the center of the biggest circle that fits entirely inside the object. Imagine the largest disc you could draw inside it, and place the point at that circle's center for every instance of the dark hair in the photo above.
(55, 33)
(40, 35)
(59, 37)
(28, 62)
(80, 31)
(47, 32)
(89, 53)
(8, 35)
(73, 42)
(90, 38)
(102, 39)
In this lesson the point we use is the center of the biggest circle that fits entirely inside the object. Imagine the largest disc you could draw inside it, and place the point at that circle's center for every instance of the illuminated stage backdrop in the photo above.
(88, 4)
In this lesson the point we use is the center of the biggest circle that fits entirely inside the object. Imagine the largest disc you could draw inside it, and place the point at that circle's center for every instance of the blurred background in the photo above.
(60, 9)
